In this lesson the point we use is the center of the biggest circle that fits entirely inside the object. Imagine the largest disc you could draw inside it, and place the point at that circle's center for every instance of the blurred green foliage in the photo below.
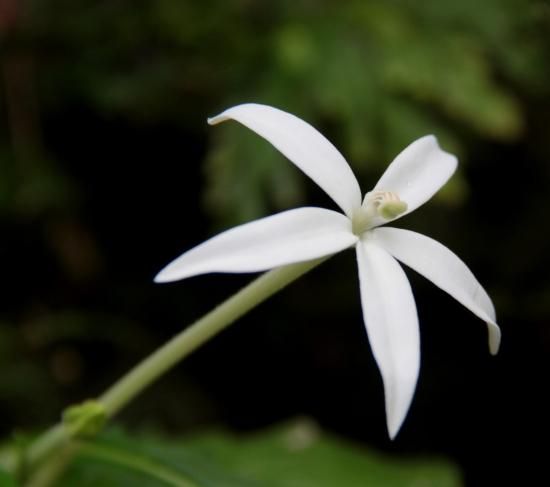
(374, 75)
(6, 480)
(298, 454)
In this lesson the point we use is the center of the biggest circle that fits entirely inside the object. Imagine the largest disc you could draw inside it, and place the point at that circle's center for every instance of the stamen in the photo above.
(386, 203)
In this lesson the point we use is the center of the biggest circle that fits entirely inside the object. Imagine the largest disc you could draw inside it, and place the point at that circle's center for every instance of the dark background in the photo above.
(108, 171)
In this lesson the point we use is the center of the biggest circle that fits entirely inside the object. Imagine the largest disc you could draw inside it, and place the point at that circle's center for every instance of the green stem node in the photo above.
(86, 419)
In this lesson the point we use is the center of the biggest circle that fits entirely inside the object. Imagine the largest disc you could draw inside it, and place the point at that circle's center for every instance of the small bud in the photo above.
(86, 419)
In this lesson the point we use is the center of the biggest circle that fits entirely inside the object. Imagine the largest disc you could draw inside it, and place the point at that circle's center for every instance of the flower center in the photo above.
(384, 204)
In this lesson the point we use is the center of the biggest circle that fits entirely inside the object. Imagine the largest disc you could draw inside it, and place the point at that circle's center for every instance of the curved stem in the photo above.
(179, 347)
(49, 472)
(49, 441)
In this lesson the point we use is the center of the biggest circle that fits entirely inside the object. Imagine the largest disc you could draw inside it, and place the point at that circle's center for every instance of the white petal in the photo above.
(292, 236)
(438, 264)
(418, 172)
(390, 317)
(304, 146)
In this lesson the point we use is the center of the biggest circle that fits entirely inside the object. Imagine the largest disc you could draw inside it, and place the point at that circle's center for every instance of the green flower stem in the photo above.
(179, 347)
(48, 473)
(200, 332)
(53, 439)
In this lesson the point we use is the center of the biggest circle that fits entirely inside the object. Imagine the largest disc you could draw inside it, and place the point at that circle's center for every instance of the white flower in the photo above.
(303, 234)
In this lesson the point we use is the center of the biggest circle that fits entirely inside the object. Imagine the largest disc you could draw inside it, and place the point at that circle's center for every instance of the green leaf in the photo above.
(298, 454)
(6, 480)
(137, 463)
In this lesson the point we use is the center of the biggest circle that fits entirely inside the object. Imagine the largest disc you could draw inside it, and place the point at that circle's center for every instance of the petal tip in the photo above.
(494, 338)
(430, 138)
(227, 114)
(433, 140)
(161, 278)
(392, 432)
(394, 422)
(394, 425)
(168, 274)
(216, 119)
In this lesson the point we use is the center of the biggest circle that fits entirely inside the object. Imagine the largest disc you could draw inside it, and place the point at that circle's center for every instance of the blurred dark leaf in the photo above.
(298, 454)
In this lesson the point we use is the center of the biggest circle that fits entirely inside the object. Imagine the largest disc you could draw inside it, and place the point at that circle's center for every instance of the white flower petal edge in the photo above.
(417, 173)
(285, 238)
(391, 321)
(304, 146)
(447, 271)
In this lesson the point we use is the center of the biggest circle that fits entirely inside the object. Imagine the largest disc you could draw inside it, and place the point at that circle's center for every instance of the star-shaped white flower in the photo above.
(303, 234)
